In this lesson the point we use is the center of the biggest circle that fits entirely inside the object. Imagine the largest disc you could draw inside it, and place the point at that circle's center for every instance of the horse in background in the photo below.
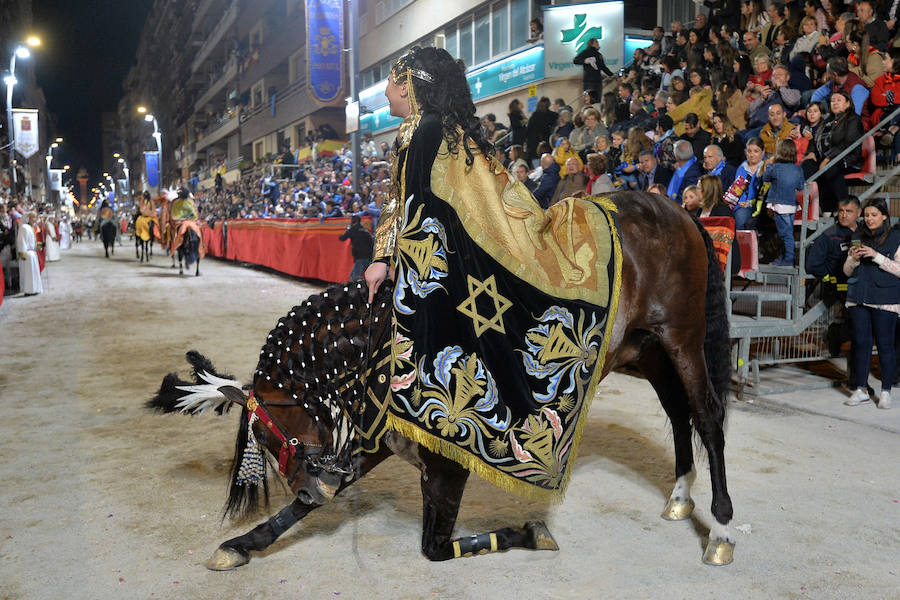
(145, 230)
(108, 230)
(189, 246)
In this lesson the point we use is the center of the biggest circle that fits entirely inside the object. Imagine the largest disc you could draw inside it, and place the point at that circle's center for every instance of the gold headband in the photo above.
(404, 67)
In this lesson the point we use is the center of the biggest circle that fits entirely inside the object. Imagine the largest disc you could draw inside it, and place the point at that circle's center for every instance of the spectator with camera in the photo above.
(873, 298)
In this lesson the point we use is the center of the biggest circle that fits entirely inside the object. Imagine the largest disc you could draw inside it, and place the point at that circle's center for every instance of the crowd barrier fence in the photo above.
(306, 248)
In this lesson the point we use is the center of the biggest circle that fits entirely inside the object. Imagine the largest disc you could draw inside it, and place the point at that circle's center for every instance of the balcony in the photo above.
(218, 131)
(203, 9)
(291, 104)
(215, 37)
(276, 48)
(217, 81)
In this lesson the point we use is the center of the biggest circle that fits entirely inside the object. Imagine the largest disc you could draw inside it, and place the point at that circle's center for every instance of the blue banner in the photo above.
(324, 43)
(151, 164)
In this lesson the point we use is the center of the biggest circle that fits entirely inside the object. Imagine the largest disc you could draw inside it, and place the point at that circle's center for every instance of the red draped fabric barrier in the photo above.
(214, 239)
(305, 248)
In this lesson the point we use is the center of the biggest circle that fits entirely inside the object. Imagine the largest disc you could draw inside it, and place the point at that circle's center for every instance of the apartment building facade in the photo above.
(227, 79)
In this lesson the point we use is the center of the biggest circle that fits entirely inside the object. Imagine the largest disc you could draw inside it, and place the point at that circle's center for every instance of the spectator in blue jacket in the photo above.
(785, 177)
(548, 181)
(687, 170)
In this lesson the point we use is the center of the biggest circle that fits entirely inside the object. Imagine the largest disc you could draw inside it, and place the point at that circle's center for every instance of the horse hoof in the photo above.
(227, 559)
(540, 536)
(718, 553)
(677, 509)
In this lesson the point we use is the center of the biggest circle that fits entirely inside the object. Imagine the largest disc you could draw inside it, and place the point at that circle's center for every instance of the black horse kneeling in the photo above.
(311, 382)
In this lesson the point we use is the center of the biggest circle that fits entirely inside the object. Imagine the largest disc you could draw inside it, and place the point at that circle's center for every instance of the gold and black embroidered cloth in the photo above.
(501, 318)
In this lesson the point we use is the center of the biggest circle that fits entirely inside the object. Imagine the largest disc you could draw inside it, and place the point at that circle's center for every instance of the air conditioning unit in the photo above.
(440, 41)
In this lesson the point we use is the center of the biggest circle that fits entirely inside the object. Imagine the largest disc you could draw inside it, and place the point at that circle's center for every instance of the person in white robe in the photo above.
(51, 241)
(65, 234)
(29, 268)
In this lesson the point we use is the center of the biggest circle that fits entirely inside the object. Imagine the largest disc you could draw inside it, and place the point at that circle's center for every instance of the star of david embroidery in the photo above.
(468, 307)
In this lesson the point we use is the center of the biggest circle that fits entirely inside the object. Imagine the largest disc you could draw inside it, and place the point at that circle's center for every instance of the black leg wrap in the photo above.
(475, 544)
(283, 520)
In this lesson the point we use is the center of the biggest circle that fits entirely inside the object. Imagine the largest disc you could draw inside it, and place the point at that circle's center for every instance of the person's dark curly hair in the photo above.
(449, 97)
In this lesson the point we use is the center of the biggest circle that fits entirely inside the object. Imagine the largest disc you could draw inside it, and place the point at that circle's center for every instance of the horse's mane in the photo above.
(312, 356)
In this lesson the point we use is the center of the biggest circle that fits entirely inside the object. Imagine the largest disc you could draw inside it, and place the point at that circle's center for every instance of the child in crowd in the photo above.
(691, 199)
(785, 178)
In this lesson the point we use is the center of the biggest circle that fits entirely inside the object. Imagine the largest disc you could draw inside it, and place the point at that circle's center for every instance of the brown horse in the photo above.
(311, 380)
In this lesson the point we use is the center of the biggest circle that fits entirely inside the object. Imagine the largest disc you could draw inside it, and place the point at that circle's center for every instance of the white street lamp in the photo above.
(10, 80)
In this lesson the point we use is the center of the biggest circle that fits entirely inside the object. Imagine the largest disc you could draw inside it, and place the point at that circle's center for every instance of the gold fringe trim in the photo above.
(495, 476)
(472, 463)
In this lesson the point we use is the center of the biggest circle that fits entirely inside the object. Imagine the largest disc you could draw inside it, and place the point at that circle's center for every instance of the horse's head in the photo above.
(309, 386)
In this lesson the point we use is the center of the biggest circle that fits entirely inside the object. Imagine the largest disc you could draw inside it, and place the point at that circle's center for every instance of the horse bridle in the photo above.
(309, 452)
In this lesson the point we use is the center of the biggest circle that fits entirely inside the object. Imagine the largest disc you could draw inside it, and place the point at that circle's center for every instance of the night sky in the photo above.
(88, 48)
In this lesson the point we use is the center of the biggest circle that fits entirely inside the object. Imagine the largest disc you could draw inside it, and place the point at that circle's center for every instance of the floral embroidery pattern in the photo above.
(422, 258)
(562, 352)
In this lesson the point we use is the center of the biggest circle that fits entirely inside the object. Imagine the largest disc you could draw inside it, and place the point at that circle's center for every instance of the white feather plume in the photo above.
(204, 396)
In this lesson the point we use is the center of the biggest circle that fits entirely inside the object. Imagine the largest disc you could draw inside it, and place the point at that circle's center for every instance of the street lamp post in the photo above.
(124, 164)
(10, 80)
(157, 135)
(21, 51)
(49, 158)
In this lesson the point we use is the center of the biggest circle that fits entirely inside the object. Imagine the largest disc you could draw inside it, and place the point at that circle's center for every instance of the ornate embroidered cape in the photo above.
(501, 317)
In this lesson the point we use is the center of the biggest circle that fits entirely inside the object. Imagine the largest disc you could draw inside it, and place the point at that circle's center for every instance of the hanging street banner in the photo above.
(324, 58)
(573, 26)
(26, 131)
(151, 164)
(56, 180)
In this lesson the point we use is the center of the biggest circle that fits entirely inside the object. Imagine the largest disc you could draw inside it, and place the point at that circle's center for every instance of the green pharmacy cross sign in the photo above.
(580, 34)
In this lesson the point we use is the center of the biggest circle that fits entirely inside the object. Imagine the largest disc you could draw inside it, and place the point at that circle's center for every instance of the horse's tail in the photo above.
(717, 345)
(209, 390)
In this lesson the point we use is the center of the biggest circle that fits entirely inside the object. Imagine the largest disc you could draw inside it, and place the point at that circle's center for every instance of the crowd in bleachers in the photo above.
(316, 189)
(746, 88)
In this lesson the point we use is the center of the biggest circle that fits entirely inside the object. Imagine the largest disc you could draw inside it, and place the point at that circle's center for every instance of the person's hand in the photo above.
(795, 133)
(890, 24)
(808, 134)
(865, 252)
(824, 162)
(23, 255)
(766, 91)
(375, 275)
(810, 156)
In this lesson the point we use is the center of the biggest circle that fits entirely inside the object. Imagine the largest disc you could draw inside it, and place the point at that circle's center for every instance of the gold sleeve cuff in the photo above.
(387, 229)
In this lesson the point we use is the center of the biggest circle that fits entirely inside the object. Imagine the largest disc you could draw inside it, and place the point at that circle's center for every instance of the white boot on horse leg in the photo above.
(720, 547)
(680, 505)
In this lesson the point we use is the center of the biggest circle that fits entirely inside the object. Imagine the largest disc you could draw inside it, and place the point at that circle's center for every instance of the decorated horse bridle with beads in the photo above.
(312, 456)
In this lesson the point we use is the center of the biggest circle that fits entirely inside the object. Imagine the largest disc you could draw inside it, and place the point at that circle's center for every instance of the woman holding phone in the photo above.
(873, 298)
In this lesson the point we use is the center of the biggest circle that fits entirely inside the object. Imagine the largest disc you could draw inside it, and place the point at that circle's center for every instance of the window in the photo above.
(256, 36)
(450, 36)
(499, 29)
(465, 41)
(259, 149)
(258, 94)
(300, 134)
(519, 17)
(482, 38)
(296, 66)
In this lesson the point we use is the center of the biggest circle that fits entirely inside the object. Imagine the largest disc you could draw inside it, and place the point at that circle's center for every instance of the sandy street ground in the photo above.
(101, 499)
